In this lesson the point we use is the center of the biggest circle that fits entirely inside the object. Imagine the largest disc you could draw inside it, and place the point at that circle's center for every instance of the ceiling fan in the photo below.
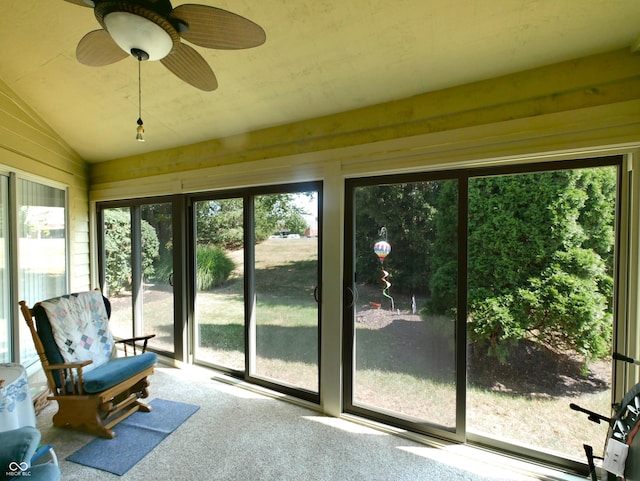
(153, 30)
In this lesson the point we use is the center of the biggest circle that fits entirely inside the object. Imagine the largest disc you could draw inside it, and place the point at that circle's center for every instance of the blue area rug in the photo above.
(135, 437)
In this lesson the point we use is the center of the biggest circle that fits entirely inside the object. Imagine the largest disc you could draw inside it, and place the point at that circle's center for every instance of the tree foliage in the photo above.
(220, 222)
(540, 260)
(539, 250)
(220, 227)
(277, 213)
(407, 213)
(117, 239)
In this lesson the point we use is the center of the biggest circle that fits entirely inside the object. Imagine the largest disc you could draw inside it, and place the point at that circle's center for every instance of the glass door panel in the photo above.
(404, 302)
(118, 272)
(286, 289)
(540, 283)
(156, 241)
(219, 302)
(138, 258)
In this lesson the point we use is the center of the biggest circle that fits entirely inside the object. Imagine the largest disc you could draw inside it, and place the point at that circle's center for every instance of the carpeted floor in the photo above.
(238, 434)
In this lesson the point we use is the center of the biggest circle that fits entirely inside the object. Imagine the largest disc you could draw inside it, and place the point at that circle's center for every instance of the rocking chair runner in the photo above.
(94, 388)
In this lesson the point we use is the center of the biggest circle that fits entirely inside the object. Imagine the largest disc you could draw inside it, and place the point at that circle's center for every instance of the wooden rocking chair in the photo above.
(96, 390)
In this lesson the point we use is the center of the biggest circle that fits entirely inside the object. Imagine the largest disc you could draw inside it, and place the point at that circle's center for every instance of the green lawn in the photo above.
(285, 311)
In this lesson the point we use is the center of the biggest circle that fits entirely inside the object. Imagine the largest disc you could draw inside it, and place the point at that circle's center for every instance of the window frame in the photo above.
(184, 266)
(16, 323)
(620, 318)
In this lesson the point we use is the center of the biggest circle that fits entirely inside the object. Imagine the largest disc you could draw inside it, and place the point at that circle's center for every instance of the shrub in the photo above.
(214, 267)
(540, 260)
(117, 240)
(563, 308)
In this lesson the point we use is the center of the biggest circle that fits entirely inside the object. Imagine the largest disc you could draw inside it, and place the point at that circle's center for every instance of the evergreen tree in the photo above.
(540, 260)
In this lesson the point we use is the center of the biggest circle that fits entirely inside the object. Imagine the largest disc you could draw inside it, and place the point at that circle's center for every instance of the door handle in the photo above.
(354, 296)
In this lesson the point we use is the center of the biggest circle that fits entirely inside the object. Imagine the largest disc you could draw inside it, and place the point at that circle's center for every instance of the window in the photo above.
(42, 248)
(138, 265)
(285, 292)
(540, 319)
(228, 280)
(5, 274)
(219, 278)
(403, 362)
(481, 303)
(257, 286)
(33, 237)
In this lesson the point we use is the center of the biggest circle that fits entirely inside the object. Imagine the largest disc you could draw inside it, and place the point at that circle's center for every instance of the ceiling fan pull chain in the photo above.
(140, 129)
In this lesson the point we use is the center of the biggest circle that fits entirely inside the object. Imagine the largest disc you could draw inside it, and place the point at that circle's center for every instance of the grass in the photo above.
(406, 395)
(394, 374)
(538, 422)
(286, 314)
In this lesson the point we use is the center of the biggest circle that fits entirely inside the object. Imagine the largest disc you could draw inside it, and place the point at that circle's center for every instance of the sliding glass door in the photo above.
(228, 280)
(403, 363)
(285, 312)
(256, 281)
(116, 267)
(219, 337)
(480, 306)
(137, 260)
(540, 313)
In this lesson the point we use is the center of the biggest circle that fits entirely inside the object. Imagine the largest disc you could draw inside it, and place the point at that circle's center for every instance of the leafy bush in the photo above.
(164, 267)
(214, 267)
(540, 261)
(117, 240)
(563, 308)
(491, 325)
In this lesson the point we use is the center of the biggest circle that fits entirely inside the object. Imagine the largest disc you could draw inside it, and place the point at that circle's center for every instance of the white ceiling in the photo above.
(320, 57)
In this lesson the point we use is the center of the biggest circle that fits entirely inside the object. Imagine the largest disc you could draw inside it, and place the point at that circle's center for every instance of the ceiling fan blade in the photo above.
(82, 3)
(97, 48)
(191, 67)
(213, 27)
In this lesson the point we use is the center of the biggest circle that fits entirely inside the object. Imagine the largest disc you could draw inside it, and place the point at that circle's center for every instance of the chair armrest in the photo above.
(68, 365)
(132, 342)
(71, 382)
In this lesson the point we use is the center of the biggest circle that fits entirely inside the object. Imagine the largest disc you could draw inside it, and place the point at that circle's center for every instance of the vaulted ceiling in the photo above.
(320, 57)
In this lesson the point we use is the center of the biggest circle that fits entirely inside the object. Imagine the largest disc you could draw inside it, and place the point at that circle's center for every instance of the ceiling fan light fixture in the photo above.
(134, 33)
(153, 30)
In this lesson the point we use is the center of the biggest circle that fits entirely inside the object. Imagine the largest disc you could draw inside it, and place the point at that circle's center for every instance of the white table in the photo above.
(16, 407)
